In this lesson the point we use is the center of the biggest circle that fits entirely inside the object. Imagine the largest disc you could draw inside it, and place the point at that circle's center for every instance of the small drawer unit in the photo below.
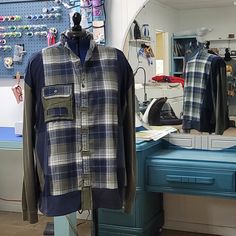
(192, 172)
(147, 216)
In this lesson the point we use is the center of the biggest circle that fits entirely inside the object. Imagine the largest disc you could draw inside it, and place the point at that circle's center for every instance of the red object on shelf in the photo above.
(168, 79)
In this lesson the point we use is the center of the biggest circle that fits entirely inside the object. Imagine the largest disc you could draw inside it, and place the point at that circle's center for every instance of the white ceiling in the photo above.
(193, 4)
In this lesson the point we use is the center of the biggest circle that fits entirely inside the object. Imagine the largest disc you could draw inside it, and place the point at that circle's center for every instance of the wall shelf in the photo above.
(222, 40)
(139, 41)
(178, 58)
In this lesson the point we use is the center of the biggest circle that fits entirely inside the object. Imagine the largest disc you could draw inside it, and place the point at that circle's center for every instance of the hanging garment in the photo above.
(197, 73)
(214, 109)
(231, 77)
(79, 140)
(204, 100)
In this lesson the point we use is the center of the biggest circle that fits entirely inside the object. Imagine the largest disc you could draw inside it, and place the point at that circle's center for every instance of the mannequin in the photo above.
(230, 63)
(227, 55)
(230, 72)
(78, 39)
(79, 128)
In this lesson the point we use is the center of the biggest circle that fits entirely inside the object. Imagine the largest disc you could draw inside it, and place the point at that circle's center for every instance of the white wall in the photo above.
(208, 215)
(11, 112)
(221, 20)
(11, 177)
(159, 17)
(120, 14)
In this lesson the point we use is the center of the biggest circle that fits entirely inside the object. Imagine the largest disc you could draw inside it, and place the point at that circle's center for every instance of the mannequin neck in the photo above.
(79, 47)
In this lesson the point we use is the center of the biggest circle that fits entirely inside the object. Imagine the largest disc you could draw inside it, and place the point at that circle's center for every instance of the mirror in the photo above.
(165, 27)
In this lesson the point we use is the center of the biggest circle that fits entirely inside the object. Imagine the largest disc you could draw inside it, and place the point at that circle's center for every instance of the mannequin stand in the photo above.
(67, 225)
(62, 226)
(49, 229)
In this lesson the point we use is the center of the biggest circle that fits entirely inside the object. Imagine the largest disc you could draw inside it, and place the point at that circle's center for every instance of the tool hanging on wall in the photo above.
(17, 90)
(3, 41)
(52, 33)
(8, 62)
(18, 53)
(146, 51)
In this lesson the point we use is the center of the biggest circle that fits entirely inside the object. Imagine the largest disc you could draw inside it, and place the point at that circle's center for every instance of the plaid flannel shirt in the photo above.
(197, 74)
(81, 138)
(82, 151)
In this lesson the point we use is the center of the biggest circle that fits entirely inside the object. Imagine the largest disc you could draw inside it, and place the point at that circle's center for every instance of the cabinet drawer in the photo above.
(202, 179)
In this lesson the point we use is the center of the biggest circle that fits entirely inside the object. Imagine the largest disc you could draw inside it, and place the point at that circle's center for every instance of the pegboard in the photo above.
(31, 44)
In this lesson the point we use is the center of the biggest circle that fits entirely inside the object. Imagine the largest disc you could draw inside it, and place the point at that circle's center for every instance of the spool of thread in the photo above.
(54, 9)
(17, 18)
(3, 41)
(29, 17)
(35, 17)
(12, 18)
(29, 34)
(6, 18)
(2, 35)
(40, 17)
(12, 27)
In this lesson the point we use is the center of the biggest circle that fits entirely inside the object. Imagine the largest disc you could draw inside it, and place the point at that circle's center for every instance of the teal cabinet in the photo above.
(147, 215)
(195, 172)
(185, 164)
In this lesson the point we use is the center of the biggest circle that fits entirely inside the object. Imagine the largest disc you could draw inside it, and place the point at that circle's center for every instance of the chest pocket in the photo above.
(58, 102)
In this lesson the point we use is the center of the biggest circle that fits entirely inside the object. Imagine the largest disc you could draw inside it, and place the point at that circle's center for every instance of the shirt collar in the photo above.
(63, 42)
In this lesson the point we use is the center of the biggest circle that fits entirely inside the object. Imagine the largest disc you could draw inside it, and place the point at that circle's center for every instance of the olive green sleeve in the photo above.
(130, 152)
(29, 193)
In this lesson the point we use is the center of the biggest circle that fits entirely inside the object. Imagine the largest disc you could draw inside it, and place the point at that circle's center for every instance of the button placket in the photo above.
(85, 132)
(85, 153)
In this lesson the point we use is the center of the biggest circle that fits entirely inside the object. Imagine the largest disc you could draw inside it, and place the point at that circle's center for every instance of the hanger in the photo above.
(207, 44)
(76, 32)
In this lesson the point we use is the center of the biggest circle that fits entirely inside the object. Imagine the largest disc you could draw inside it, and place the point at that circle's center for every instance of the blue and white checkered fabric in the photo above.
(83, 151)
(197, 74)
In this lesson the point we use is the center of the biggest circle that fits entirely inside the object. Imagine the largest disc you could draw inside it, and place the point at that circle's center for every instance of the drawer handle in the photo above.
(190, 179)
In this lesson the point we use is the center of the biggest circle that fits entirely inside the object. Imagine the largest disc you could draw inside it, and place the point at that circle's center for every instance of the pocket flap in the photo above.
(58, 102)
(55, 91)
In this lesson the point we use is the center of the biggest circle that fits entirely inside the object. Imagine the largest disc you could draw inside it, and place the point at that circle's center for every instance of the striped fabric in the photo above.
(197, 74)
(82, 151)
